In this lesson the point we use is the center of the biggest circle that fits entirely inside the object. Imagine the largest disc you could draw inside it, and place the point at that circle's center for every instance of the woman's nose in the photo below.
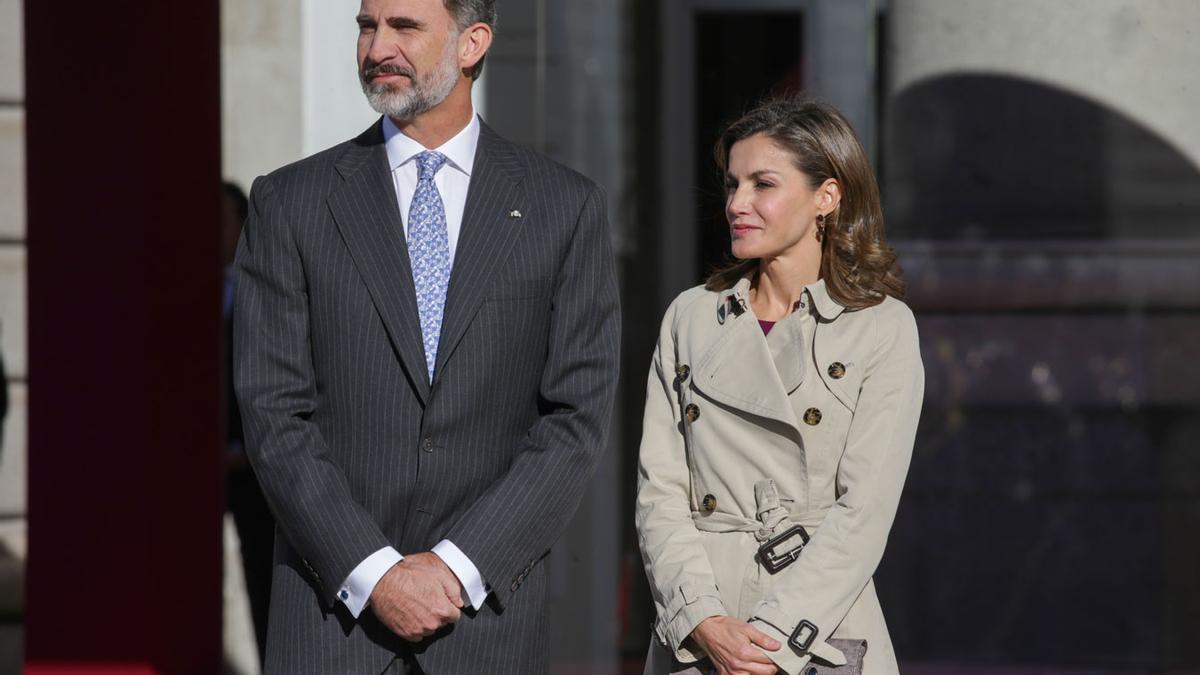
(738, 202)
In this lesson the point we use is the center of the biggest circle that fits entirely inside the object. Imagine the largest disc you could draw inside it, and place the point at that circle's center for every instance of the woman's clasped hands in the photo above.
(733, 646)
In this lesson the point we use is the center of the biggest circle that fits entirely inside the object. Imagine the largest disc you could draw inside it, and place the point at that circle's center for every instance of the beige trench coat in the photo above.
(821, 413)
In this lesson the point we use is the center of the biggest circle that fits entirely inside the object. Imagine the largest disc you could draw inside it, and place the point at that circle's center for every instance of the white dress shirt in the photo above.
(452, 181)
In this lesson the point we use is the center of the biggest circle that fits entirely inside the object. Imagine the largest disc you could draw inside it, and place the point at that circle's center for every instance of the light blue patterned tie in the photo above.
(429, 252)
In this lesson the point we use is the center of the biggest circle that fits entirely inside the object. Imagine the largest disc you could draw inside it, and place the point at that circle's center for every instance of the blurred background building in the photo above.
(1040, 165)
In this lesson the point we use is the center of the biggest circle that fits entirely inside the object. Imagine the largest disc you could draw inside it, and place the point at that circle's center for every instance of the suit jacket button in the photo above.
(682, 371)
(692, 411)
(709, 503)
(837, 370)
(427, 444)
(812, 417)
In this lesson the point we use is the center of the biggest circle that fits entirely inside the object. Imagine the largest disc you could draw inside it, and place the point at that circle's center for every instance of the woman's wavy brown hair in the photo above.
(858, 266)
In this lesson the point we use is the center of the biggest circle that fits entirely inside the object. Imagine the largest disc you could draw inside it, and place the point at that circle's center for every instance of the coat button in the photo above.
(692, 411)
(709, 503)
(682, 371)
(837, 370)
(427, 444)
(812, 417)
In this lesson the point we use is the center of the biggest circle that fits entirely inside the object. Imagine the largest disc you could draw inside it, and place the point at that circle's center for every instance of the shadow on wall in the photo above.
(991, 157)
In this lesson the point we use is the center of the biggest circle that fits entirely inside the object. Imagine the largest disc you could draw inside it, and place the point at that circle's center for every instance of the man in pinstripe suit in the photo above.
(426, 356)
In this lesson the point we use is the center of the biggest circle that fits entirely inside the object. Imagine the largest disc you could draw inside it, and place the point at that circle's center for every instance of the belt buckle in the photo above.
(769, 553)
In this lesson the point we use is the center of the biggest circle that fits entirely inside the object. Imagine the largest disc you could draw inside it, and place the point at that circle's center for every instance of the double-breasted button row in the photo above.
(709, 503)
(812, 416)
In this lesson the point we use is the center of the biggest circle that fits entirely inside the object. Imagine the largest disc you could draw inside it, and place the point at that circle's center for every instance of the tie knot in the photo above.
(428, 163)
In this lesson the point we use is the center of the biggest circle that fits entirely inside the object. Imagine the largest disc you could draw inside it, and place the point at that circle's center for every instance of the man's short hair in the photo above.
(467, 12)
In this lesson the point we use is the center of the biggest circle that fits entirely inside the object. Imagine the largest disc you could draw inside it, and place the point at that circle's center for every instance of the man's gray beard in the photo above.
(422, 95)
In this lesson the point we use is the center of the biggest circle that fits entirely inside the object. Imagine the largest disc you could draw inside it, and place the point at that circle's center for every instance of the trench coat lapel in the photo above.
(368, 217)
(737, 368)
(494, 214)
(786, 346)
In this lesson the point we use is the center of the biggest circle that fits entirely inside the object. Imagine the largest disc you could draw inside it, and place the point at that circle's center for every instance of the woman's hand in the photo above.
(730, 645)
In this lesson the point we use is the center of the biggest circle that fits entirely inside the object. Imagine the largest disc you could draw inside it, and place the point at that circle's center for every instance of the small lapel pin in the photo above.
(514, 214)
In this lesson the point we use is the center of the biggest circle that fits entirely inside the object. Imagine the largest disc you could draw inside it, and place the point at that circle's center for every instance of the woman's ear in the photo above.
(829, 196)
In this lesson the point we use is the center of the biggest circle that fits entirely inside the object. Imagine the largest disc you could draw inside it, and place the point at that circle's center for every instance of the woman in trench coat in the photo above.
(782, 405)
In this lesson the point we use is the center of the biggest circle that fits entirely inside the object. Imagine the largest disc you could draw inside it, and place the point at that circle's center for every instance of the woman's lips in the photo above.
(740, 229)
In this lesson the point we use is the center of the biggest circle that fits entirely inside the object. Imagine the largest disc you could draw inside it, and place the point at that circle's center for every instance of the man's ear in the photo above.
(473, 44)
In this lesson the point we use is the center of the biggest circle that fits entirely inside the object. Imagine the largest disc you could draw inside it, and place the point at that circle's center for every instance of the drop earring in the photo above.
(820, 227)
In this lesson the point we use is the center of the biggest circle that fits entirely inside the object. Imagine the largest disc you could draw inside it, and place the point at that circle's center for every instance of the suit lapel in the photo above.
(368, 218)
(737, 369)
(488, 232)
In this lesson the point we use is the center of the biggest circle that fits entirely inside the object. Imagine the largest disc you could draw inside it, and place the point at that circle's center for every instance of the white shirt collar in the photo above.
(459, 150)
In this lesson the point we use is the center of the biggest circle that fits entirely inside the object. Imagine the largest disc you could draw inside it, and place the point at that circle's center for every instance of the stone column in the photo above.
(12, 332)
(555, 79)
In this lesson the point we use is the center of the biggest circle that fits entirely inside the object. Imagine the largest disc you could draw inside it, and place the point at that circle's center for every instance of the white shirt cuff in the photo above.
(468, 575)
(356, 590)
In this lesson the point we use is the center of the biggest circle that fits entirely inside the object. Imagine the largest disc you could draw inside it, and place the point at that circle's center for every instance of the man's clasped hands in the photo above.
(417, 597)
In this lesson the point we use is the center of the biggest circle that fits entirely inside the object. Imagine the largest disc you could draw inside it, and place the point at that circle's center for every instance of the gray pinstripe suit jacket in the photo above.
(356, 450)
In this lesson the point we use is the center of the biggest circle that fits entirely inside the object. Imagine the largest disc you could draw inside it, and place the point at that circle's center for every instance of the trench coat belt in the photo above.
(728, 522)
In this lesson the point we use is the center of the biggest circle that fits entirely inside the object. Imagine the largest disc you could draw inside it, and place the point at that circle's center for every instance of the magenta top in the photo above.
(766, 326)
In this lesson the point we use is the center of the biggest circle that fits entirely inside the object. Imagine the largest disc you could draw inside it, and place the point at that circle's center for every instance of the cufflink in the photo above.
(344, 595)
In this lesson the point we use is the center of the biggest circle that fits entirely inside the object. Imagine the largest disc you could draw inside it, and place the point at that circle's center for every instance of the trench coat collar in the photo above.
(827, 308)
(737, 368)
(746, 370)
(786, 340)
